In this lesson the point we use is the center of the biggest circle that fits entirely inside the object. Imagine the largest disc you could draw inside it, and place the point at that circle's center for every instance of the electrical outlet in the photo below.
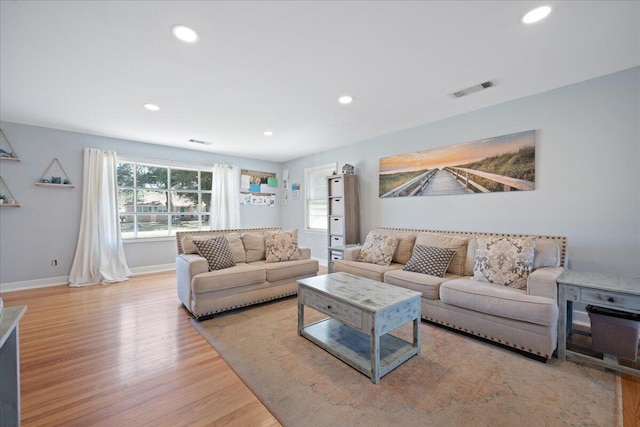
(54, 262)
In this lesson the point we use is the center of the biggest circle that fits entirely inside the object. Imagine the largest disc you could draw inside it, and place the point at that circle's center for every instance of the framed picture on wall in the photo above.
(501, 163)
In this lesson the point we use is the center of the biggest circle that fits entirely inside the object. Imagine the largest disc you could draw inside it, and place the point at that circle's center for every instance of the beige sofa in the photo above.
(250, 281)
(525, 319)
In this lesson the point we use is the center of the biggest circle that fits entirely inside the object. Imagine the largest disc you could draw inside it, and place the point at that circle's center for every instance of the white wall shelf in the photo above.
(8, 152)
(5, 188)
(51, 184)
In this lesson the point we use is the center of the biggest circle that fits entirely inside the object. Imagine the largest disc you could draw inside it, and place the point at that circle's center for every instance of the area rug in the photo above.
(456, 380)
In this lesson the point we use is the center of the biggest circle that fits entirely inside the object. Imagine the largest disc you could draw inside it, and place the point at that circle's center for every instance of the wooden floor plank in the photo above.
(125, 354)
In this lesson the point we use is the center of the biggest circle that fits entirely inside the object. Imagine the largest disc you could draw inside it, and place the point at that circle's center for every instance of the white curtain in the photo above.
(99, 255)
(225, 198)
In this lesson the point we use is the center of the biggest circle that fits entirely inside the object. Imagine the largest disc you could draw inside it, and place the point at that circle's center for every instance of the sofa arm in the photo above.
(542, 282)
(187, 266)
(305, 253)
(351, 254)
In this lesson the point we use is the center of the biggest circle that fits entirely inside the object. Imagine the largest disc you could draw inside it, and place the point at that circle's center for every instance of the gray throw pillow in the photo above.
(217, 252)
(430, 260)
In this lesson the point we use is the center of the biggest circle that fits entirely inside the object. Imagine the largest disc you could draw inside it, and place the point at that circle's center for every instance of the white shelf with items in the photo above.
(7, 152)
(343, 219)
(10, 202)
(44, 182)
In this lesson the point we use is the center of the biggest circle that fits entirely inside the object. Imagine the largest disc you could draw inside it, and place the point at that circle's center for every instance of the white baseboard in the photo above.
(64, 280)
(159, 268)
(34, 284)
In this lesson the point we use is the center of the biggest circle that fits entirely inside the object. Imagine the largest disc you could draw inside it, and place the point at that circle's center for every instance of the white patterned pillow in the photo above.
(378, 249)
(430, 260)
(282, 245)
(217, 252)
(504, 260)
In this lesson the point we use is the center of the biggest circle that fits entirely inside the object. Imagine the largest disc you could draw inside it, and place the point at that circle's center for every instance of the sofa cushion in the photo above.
(233, 277)
(430, 260)
(216, 251)
(499, 301)
(187, 243)
(362, 269)
(287, 269)
(378, 249)
(281, 245)
(254, 245)
(425, 283)
(237, 247)
(406, 240)
(547, 253)
(458, 244)
(504, 261)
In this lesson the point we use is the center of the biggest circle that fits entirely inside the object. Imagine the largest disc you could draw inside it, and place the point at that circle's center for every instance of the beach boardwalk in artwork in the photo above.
(501, 163)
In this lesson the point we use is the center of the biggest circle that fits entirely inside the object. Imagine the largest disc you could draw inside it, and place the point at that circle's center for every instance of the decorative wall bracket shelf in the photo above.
(6, 150)
(11, 202)
(45, 182)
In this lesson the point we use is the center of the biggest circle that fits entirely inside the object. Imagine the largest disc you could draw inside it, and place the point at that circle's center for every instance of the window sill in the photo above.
(149, 240)
(315, 231)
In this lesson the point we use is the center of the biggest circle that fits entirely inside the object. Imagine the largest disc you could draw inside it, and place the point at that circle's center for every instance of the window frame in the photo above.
(172, 210)
(308, 178)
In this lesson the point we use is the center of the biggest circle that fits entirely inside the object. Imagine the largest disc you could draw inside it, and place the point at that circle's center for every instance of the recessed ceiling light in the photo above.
(151, 107)
(346, 99)
(268, 133)
(184, 34)
(535, 15)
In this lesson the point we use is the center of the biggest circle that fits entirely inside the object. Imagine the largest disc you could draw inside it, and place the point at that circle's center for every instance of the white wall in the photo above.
(587, 184)
(587, 154)
(46, 226)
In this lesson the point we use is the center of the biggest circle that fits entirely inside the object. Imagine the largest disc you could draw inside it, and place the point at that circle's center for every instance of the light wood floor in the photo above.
(126, 355)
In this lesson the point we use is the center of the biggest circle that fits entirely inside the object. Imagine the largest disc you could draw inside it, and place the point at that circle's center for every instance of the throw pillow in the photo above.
(253, 245)
(187, 245)
(456, 243)
(216, 251)
(504, 260)
(237, 247)
(406, 239)
(282, 245)
(378, 249)
(430, 260)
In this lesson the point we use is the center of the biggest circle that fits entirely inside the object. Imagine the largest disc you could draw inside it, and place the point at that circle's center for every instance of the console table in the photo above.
(597, 289)
(10, 366)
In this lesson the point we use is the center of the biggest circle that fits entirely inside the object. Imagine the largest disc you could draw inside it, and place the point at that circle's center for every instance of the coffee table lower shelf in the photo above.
(354, 347)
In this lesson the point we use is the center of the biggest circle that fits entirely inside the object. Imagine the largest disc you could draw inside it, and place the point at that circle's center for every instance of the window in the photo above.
(316, 196)
(157, 201)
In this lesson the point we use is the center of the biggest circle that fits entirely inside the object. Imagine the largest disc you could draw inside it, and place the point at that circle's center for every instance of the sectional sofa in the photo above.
(257, 271)
(522, 315)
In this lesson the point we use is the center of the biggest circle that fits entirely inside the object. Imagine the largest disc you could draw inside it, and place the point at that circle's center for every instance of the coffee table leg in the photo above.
(416, 334)
(375, 355)
(300, 317)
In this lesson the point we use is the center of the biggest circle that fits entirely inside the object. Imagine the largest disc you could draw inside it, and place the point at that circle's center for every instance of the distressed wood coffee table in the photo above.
(361, 313)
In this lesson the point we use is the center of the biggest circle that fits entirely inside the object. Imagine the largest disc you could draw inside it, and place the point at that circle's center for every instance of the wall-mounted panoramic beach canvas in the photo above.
(501, 163)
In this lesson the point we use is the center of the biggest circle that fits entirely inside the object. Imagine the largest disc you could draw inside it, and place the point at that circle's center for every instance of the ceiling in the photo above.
(89, 66)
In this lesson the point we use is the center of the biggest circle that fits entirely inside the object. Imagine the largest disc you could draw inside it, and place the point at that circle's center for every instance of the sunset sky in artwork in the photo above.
(458, 154)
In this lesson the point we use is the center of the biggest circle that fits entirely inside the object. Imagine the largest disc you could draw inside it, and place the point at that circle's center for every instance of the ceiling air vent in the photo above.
(197, 141)
(473, 89)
